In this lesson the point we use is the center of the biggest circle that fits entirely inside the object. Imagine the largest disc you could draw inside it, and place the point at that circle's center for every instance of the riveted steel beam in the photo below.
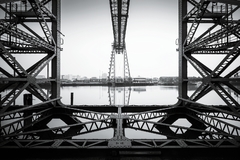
(119, 13)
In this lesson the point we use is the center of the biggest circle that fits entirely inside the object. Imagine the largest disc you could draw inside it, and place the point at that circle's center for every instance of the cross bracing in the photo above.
(119, 14)
(210, 125)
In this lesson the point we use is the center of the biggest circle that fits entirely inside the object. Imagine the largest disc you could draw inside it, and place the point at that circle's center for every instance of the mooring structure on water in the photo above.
(211, 128)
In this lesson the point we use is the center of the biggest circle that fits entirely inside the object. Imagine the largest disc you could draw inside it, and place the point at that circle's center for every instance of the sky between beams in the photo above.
(152, 30)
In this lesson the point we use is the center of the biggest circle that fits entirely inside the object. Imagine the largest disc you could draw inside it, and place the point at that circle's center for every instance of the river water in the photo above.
(136, 95)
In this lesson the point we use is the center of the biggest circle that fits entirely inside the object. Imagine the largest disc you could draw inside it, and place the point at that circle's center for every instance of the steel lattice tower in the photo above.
(119, 13)
(210, 126)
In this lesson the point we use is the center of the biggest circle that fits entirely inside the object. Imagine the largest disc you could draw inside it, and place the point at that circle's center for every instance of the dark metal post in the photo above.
(0, 118)
(71, 98)
(182, 60)
(56, 10)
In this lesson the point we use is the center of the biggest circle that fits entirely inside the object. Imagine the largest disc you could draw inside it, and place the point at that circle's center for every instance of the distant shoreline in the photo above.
(107, 84)
(47, 85)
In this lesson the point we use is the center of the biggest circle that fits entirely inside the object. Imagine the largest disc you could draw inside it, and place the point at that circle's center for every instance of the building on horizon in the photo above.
(104, 76)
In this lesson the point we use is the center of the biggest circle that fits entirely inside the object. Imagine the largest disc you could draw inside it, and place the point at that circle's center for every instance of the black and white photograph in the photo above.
(119, 79)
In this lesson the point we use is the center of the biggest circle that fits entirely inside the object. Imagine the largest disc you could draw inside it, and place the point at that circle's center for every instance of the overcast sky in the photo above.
(152, 29)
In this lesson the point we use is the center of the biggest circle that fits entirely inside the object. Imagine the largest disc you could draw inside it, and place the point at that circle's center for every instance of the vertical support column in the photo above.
(126, 70)
(119, 131)
(112, 68)
(182, 61)
(56, 10)
(119, 140)
(124, 66)
(0, 117)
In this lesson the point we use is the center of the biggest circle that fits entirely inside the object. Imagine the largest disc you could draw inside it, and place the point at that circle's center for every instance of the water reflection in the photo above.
(116, 94)
(134, 95)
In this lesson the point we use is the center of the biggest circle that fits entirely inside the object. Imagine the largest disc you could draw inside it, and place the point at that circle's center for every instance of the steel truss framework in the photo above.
(211, 126)
(119, 14)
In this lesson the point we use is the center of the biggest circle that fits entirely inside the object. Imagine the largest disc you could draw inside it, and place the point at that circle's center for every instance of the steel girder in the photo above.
(119, 13)
(211, 126)
(30, 128)
(17, 37)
